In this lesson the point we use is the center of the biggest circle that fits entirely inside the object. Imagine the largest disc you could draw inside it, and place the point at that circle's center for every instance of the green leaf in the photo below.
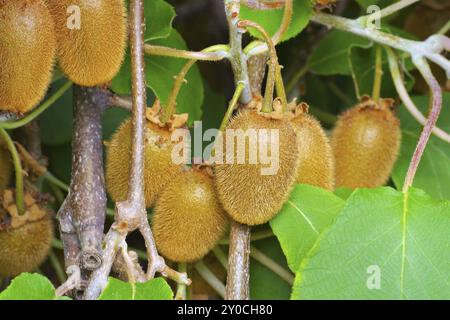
(270, 20)
(433, 174)
(158, 16)
(160, 73)
(331, 56)
(302, 219)
(264, 284)
(156, 289)
(29, 286)
(383, 245)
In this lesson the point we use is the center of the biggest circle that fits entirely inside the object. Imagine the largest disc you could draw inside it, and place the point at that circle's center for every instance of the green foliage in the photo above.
(270, 20)
(404, 236)
(156, 289)
(264, 284)
(303, 218)
(433, 174)
(331, 56)
(28, 286)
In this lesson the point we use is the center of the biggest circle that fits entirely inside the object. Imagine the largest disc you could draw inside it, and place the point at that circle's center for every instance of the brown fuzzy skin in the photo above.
(316, 166)
(248, 196)
(93, 54)
(6, 169)
(27, 51)
(366, 143)
(159, 168)
(188, 218)
(25, 248)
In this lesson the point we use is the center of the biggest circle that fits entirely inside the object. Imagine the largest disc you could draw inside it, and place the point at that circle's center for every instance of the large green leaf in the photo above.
(331, 56)
(156, 289)
(270, 20)
(384, 245)
(29, 286)
(160, 73)
(433, 174)
(303, 218)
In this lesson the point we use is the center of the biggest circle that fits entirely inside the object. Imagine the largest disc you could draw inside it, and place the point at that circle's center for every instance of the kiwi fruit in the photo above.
(366, 143)
(93, 53)
(188, 218)
(247, 195)
(25, 248)
(27, 51)
(25, 239)
(159, 167)
(316, 165)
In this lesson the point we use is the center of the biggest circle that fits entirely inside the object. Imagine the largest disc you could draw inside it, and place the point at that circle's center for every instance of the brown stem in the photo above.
(82, 215)
(238, 263)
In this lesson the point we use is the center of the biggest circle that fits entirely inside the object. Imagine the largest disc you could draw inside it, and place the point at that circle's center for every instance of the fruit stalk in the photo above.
(17, 168)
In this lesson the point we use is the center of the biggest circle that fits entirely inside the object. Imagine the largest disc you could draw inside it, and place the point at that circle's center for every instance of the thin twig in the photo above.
(287, 17)
(397, 6)
(220, 53)
(436, 105)
(429, 48)
(221, 256)
(406, 99)
(271, 265)
(121, 101)
(210, 278)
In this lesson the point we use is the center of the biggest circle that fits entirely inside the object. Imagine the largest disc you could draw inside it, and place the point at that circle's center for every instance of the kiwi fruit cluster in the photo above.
(27, 51)
(25, 239)
(90, 49)
(184, 198)
(366, 143)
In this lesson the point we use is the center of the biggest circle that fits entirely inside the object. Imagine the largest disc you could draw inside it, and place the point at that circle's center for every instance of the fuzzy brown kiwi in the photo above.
(188, 218)
(159, 167)
(316, 165)
(92, 54)
(247, 195)
(27, 51)
(25, 240)
(366, 143)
